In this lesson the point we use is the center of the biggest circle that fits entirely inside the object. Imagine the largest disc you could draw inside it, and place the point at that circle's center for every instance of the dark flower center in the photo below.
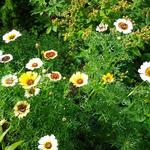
(34, 65)
(32, 91)
(9, 81)
(80, 81)
(30, 82)
(50, 54)
(22, 107)
(147, 71)
(54, 75)
(48, 145)
(5, 58)
(108, 79)
(123, 26)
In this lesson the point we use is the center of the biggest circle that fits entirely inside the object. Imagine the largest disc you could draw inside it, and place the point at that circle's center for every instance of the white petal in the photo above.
(144, 77)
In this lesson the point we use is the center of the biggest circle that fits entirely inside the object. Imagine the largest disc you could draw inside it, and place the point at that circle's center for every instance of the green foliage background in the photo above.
(97, 116)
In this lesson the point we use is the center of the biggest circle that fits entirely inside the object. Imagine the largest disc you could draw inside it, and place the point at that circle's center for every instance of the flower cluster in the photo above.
(30, 79)
(122, 25)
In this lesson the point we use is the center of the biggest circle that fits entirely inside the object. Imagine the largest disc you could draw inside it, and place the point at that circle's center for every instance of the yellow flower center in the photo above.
(147, 72)
(5, 58)
(11, 37)
(123, 26)
(80, 81)
(22, 107)
(34, 65)
(30, 82)
(9, 81)
(48, 145)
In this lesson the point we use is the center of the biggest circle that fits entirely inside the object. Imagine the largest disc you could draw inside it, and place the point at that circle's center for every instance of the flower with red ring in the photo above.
(54, 76)
(50, 54)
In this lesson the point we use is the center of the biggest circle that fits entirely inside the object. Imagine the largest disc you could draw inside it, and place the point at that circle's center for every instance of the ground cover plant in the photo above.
(74, 75)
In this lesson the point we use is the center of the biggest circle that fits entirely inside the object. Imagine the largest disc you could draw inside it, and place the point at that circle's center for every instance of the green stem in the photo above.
(38, 52)
(135, 89)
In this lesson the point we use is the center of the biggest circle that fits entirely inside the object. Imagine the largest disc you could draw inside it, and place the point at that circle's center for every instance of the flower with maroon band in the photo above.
(54, 76)
(21, 109)
(124, 25)
(6, 58)
(50, 54)
(34, 63)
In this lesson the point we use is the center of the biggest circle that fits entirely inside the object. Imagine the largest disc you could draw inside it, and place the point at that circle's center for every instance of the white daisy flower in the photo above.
(48, 143)
(124, 25)
(34, 63)
(6, 58)
(102, 27)
(31, 92)
(11, 36)
(145, 71)
(9, 80)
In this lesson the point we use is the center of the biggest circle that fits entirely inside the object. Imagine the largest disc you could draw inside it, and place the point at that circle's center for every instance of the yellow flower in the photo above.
(29, 79)
(21, 109)
(108, 78)
(79, 79)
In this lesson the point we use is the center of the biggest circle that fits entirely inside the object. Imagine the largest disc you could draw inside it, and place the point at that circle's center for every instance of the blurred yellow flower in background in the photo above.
(108, 78)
